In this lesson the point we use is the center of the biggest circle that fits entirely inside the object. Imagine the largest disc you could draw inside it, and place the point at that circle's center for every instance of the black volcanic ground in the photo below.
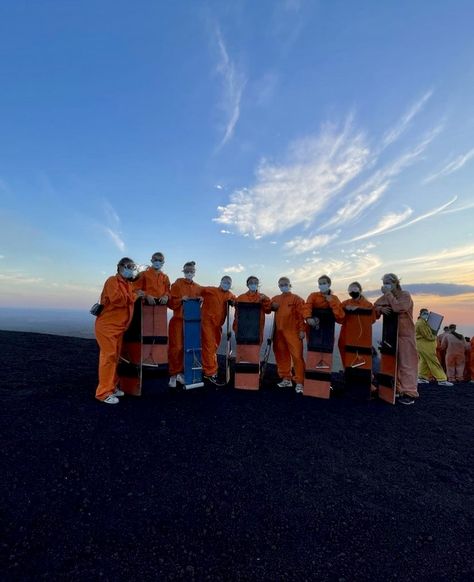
(225, 485)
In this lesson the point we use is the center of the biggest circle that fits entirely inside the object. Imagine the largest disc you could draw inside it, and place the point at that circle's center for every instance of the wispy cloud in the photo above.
(385, 224)
(392, 222)
(394, 134)
(301, 244)
(233, 82)
(373, 188)
(451, 167)
(349, 268)
(234, 269)
(440, 289)
(19, 278)
(112, 228)
(295, 192)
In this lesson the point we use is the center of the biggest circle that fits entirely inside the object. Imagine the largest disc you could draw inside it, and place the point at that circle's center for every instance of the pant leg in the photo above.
(434, 366)
(451, 366)
(175, 346)
(109, 343)
(295, 346)
(459, 373)
(209, 347)
(423, 368)
(282, 355)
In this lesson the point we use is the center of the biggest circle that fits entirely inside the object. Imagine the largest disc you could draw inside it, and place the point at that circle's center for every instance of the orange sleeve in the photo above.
(307, 309)
(300, 307)
(139, 283)
(175, 299)
(337, 309)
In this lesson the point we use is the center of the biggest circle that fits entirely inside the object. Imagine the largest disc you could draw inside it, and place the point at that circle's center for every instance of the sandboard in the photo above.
(154, 337)
(319, 355)
(192, 364)
(387, 377)
(247, 337)
(357, 357)
(130, 368)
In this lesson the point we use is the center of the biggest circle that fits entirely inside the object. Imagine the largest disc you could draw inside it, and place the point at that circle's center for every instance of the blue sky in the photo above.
(282, 137)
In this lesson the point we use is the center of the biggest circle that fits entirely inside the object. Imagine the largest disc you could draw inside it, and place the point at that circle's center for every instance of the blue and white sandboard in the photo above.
(192, 344)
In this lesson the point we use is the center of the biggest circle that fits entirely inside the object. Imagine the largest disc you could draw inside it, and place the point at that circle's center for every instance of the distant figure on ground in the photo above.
(399, 301)
(118, 298)
(289, 335)
(154, 282)
(428, 364)
(455, 346)
(181, 290)
(213, 314)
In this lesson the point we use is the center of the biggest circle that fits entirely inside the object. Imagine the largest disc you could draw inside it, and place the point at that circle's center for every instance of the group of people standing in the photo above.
(293, 317)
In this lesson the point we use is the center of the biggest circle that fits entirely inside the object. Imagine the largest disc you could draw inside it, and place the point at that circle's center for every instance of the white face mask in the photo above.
(284, 288)
(387, 286)
(252, 286)
(157, 265)
(225, 285)
(189, 276)
(324, 287)
(425, 316)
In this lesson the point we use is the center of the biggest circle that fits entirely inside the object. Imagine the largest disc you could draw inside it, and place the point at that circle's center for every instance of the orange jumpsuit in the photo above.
(467, 364)
(318, 300)
(287, 346)
(361, 303)
(153, 282)
(213, 315)
(455, 356)
(407, 356)
(118, 299)
(180, 288)
(254, 297)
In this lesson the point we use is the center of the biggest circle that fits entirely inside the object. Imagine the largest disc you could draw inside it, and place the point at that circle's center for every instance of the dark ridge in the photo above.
(225, 485)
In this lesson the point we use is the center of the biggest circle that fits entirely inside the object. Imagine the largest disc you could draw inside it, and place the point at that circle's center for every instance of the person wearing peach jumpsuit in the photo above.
(399, 301)
(454, 344)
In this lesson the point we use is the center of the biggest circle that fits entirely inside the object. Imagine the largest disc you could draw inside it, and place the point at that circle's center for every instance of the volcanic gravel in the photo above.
(225, 484)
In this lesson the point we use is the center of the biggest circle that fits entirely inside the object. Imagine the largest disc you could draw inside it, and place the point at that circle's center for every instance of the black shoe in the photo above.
(407, 400)
(214, 380)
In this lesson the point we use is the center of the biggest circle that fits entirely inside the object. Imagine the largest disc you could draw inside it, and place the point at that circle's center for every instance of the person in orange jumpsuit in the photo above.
(454, 344)
(428, 364)
(289, 335)
(440, 353)
(357, 301)
(467, 364)
(399, 301)
(118, 298)
(213, 316)
(323, 299)
(182, 289)
(154, 282)
(254, 296)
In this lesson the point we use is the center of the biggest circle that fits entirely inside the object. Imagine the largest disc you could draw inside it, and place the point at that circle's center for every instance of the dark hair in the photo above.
(357, 284)
(123, 261)
(252, 277)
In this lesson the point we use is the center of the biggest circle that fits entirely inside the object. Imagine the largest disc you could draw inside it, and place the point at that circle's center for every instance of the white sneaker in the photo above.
(285, 383)
(445, 383)
(299, 388)
(118, 392)
(111, 399)
(180, 379)
(172, 382)
(423, 381)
